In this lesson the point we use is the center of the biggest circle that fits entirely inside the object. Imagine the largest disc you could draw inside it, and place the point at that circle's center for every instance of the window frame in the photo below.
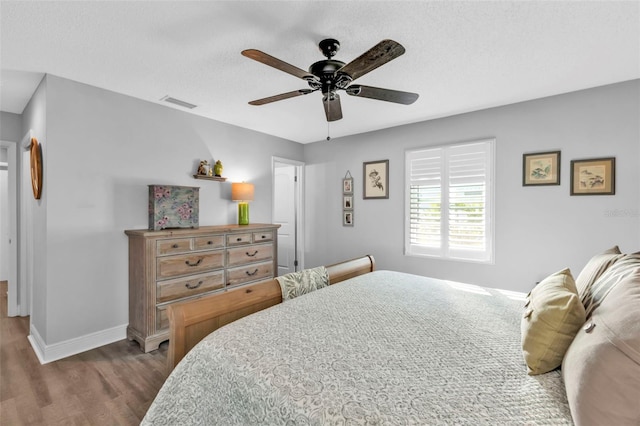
(443, 251)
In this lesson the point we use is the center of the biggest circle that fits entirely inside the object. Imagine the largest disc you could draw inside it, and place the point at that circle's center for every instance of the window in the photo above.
(449, 201)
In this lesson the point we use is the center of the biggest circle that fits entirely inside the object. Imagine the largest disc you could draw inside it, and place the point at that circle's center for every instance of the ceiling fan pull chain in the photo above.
(328, 122)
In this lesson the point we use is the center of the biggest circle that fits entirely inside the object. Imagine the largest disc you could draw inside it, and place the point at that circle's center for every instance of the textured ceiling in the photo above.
(460, 56)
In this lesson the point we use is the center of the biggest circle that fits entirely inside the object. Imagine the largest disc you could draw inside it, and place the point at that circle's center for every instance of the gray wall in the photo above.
(101, 150)
(539, 230)
(10, 127)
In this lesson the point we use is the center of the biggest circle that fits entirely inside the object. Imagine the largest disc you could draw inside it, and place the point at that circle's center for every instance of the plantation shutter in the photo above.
(449, 201)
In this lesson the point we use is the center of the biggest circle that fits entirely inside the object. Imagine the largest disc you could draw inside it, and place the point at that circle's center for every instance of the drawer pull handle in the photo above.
(255, 271)
(193, 264)
(239, 239)
(210, 242)
(251, 255)
(263, 237)
(175, 246)
(193, 287)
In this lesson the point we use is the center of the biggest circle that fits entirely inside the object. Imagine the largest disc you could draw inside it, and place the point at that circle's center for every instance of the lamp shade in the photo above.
(242, 191)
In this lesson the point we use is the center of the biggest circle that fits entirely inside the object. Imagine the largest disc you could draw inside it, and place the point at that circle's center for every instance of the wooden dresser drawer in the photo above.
(173, 246)
(188, 286)
(238, 239)
(175, 266)
(208, 242)
(248, 254)
(259, 237)
(253, 272)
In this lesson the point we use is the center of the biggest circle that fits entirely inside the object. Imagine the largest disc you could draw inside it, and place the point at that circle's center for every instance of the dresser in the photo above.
(175, 265)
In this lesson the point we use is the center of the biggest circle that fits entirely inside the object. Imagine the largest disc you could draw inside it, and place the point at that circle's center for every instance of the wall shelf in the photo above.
(216, 178)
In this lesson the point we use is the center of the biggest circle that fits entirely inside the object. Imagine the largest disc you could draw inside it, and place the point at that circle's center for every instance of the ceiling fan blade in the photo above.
(278, 64)
(332, 107)
(281, 97)
(378, 55)
(405, 98)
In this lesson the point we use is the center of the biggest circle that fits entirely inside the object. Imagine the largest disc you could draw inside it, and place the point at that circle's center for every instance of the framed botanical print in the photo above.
(376, 179)
(595, 176)
(541, 168)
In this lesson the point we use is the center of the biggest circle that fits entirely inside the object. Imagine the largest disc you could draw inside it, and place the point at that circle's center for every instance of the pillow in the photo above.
(552, 317)
(592, 271)
(625, 265)
(601, 369)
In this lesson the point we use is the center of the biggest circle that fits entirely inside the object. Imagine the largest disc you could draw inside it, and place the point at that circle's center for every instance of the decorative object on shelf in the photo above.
(347, 199)
(242, 192)
(173, 207)
(375, 176)
(541, 168)
(203, 168)
(594, 176)
(217, 168)
(35, 159)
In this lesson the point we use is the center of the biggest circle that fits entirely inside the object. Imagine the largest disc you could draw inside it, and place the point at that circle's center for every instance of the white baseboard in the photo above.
(49, 353)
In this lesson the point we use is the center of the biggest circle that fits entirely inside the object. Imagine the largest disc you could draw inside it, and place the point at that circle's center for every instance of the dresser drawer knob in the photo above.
(210, 243)
(192, 287)
(263, 237)
(239, 239)
(255, 271)
(193, 264)
(175, 246)
(251, 254)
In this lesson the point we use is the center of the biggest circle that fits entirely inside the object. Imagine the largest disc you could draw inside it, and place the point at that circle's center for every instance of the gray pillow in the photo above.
(601, 368)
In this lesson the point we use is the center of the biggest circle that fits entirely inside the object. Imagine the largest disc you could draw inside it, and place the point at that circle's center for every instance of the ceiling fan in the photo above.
(331, 75)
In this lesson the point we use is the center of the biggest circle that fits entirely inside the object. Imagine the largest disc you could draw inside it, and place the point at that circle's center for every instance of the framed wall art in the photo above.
(376, 179)
(541, 168)
(595, 176)
(347, 185)
(347, 202)
(347, 217)
(347, 199)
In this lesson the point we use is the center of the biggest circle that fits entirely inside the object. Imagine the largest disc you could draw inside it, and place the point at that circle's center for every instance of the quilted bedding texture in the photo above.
(382, 348)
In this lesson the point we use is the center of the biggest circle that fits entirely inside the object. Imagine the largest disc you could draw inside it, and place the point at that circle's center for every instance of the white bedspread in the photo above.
(385, 348)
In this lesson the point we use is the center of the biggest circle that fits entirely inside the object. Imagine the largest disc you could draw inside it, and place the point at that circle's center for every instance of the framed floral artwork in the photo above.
(595, 176)
(376, 179)
(347, 185)
(541, 168)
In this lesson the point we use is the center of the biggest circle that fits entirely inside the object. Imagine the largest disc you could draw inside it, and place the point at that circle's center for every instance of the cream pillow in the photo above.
(553, 315)
(594, 268)
(601, 369)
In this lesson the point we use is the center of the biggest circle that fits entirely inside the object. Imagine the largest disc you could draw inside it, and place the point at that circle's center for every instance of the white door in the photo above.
(286, 213)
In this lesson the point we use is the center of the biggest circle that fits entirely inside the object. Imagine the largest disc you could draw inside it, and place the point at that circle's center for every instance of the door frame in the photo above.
(298, 205)
(13, 301)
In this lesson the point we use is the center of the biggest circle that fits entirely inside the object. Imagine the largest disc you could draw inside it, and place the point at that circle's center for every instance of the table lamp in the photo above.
(242, 192)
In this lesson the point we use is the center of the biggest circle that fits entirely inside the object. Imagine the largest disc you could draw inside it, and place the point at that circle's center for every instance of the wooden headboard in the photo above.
(191, 321)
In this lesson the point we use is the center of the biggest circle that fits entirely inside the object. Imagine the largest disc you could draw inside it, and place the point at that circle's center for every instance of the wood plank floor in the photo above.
(110, 385)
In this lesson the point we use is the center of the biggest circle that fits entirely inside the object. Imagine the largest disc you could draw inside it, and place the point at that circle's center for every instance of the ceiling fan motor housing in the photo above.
(330, 78)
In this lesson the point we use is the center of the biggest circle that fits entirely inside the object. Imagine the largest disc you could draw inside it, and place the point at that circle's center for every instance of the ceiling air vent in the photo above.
(178, 102)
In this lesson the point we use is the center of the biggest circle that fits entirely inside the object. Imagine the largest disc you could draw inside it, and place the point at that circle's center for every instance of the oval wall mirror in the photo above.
(36, 168)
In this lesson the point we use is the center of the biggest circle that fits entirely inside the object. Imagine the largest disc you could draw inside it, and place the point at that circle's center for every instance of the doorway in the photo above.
(9, 225)
(288, 213)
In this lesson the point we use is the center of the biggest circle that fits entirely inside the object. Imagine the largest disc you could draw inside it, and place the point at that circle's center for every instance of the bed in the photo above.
(380, 347)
